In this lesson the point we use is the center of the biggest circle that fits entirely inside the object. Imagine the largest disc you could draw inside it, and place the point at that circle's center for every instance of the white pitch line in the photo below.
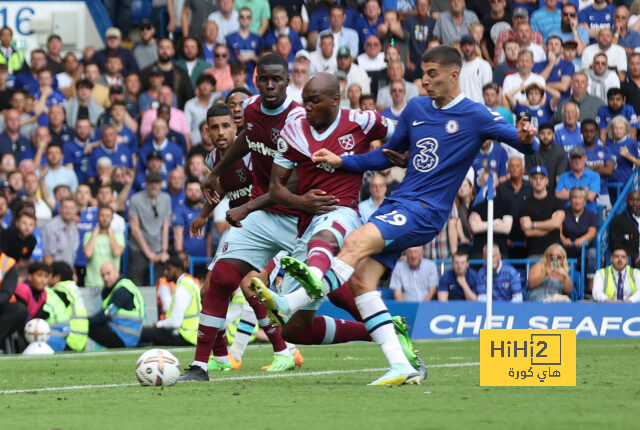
(233, 378)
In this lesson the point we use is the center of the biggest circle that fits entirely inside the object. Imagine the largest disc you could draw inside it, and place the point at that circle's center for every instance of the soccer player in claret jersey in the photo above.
(443, 132)
(343, 131)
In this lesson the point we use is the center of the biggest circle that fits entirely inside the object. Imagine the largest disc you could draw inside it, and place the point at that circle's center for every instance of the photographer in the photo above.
(549, 279)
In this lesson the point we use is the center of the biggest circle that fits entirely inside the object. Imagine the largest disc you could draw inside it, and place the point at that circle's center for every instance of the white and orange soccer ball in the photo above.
(157, 367)
(37, 330)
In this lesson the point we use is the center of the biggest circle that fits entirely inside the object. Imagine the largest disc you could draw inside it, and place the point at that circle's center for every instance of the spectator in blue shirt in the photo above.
(622, 35)
(491, 156)
(183, 216)
(506, 280)
(624, 151)
(579, 176)
(244, 46)
(153, 163)
(27, 80)
(568, 131)
(126, 136)
(420, 28)
(556, 70)
(172, 155)
(599, 158)
(596, 17)
(459, 282)
(546, 19)
(60, 132)
(280, 21)
(76, 151)
(46, 96)
(319, 20)
(120, 155)
(616, 105)
(368, 22)
(342, 35)
(570, 30)
(538, 107)
(11, 140)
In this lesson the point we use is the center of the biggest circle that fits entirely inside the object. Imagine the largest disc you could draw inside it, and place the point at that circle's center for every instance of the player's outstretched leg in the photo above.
(225, 277)
(277, 306)
(412, 354)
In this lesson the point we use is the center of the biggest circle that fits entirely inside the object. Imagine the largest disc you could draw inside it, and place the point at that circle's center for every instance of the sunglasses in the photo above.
(568, 14)
(220, 55)
(245, 16)
(146, 27)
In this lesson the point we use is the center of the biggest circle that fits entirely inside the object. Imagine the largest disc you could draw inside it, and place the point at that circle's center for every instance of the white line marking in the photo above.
(233, 378)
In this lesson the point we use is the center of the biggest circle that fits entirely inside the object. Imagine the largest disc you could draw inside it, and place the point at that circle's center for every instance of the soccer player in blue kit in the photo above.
(443, 133)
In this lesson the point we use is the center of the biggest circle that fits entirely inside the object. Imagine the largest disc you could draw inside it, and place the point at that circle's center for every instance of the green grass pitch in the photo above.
(328, 392)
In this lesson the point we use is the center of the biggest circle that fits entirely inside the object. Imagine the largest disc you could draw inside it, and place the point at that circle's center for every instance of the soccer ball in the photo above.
(37, 330)
(157, 367)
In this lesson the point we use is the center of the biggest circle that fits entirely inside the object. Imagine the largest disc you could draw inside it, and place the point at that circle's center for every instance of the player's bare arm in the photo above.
(314, 201)
(526, 131)
(196, 229)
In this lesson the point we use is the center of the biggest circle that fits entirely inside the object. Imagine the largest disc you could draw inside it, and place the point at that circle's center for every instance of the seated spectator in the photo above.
(367, 102)
(493, 157)
(154, 163)
(368, 21)
(502, 221)
(105, 197)
(618, 282)
(615, 53)
(175, 76)
(113, 39)
(342, 35)
(183, 216)
(324, 58)
(32, 291)
(542, 215)
(587, 104)
(175, 187)
(537, 106)
(83, 105)
(119, 322)
(624, 36)
(599, 159)
(601, 79)
(579, 226)
(461, 206)
(118, 154)
(567, 133)
(459, 282)
(146, 50)
(453, 24)
(18, 241)
(47, 95)
(58, 129)
(616, 105)
(624, 232)
(280, 21)
(99, 92)
(283, 49)
(221, 70)
(556, 70)
(149, 218)
(164, 112)
(395, 71)
(475, 72)
(490, 95)
(132, 89)
(415, 278)
(69, 75)
(244, 45)
(196, 167)
(372, 59)
(624, 151)
(524, 76)
(355, 74)
(549, 278)
(101, 244)
(120, 120)
(172, 154)
(180, 327)
(31, 190)
(54, 173)
(629, 86)
(509, 65)
(60, 236)
(354, 92)
(507, 286)
(546, 19)
(177, 120)
(112, 76)
(421, 28)
(578, 176)
(149, 98)
(195, 110)
(11, 140)
(191, 61)
(377, 189)
(75, 150)
(398, 93)
(299, 76)
(27, 79)
(239, 78)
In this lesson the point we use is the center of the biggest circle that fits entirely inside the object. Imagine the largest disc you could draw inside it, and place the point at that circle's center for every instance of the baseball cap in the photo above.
(112, 32)
(521, 12)
(467, 40)
(344, 51)
(154, 176)
(154, 154)
(577, 151)
(539, 170)
(303, 53)
(116, 90)
(145, 23)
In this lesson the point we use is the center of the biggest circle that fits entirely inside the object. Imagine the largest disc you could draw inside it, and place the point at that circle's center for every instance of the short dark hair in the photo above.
(443, 55)
(243, 90)
(237, 68)
(590, 121)
(273, 60)
(38, 266)
(206, 77)
(53, 36)
(191, 180)
(62, 269)
(546, 126)
(84, 83)
(461, 253)
(614, 92)
(218, 109)
(366, 97)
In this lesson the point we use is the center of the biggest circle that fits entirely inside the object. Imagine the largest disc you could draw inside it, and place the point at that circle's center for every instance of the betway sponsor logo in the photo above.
(261, 148)
(238, 194)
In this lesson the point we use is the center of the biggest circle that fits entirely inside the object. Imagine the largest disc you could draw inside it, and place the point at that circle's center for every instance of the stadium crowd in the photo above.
(102, 153)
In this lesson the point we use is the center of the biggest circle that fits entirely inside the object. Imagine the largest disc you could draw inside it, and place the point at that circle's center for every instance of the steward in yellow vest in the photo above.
(119, 323)
(180, 327)
(65, 287)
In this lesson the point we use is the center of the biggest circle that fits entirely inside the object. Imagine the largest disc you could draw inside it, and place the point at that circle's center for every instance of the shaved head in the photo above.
(321, 100)
(324, 83)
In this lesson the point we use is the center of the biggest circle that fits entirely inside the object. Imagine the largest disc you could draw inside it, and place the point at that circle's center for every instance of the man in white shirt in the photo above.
(618, 282)
(475, 72)
(414, 279)
(300, 75)
(601, 78)
(614, 52)
(355, 74)
(372, 60)
(523, 77)
(227, 20)
(324, 59)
